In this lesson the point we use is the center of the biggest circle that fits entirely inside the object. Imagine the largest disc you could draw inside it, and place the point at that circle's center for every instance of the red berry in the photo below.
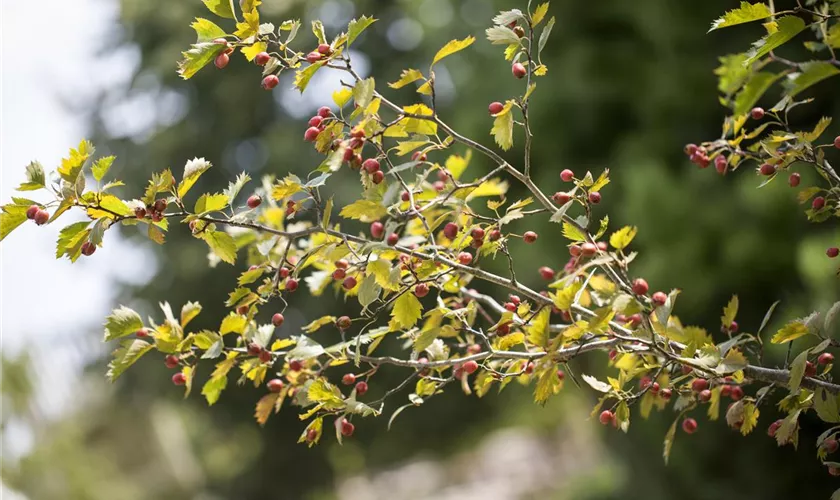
(343, 323)
(377, 230)
(311, 134)
(377, 177)
(515, 299)
(291, 284)
(140, 213)
(284, 272)
(311, 435)
(339, 274)
(477, 233)
(720, 167)
(270, 81)
(171, 361)
(659, 298)
(275, 385)
(465, 258)
(347, 428)
(830, 445)
(644, 382)
(834, 471)
(342, 264)
(295, 365)
(495, 234)
(699, 385)
(510, 306)
(474, 349)
(705, 395)
(313, 57)
(316, 121)
(640, 286)
(324, 49)
(450, 230)
(529, 368)
(348, 379)
(588, 249)
(757, 113)
(361, 388)
(794, 179)
(179, 379)
(832, 252)
(262, 58)
(837, 142)
(665, 394)
(825, 358)
(405, 196)
(654, 388)
(88, 248)
(733, 327)
(771, 430)
(607, 417)
(689, 426)
(721, 162)
(254, 349)
(547, 273)
(737, 393)
(810, 369)
(595, 198)
(142, 333)
(575, 250)
(349, 283)
(470, 367)
(371, 165)
(324, 111)
(690, 149)
(277, 319)
(265, 356)
(818, 203)
(561, 374)
(518, 70)
(254, 201)
(243, 309)
(421, 290)
(31, 211)
(392, 239)
(222, 60)
(529, 236)
(41, 217)
(767, 169)
(418, 156)
(567, 175)
(561, 198)
(635, 320)
(496, 107)
(726, 390)
(503, 329)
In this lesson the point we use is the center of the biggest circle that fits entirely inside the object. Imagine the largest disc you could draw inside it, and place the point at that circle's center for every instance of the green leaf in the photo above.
(548, 384)
(222, 8)
(127, 354)
(732, 73)
(755, 87)
(356, 27)
(72, 166)
(101, 167)
(122, 321)
(748, 12)
(368, 291)
(210, 203)
(669, 441)
(785, 29)
(502, 35)
(235, 187)
(812, 73)
(729, 312)
(35, 177)
(207, 30)
(302, 76)
(406, 77)
(192, 171)
(546, 32)
(538, 330)
(321, 391)
(213, 388)
(789, 332)
(797, 370)
(573, 233)
(622, 238)
(199, 55)
(502, 130)
(11, 217)
(222, 244)
(827, 405)
(70, 240)
(407, 310)
(452, 47)
(364, 210)
(363, 92)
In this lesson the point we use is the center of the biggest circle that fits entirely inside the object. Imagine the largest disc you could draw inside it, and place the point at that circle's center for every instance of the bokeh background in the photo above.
(629, 83)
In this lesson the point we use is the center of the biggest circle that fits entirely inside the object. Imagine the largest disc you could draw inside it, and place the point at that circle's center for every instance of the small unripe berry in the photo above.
(277, 319)
(348, 379)
(377, 230)
(690, 149)
(515, 299)
(371, 165)
(450, 230)
(465, 258)
(477, 233)
(342, 264)
(595, 198)
(262, 58)
(818, 203)
(757, 113)
(495, 107)
(767, 169)
(733, 327)
(720, 167)
(547, 273)
(689, 426)
(361, 388)
(31, 211)
(275, 385)
(421, 290)
(834, 471)
(349, 283)
(41, 217)
(311, 435)
(339, 274)
(832, 252)
(737, 393)
(518, 70)
(654, 387)
(377, 177)
(575, 250)
(644, 382)
(254, 201)
(529, 236)
(291, 284)
(529, 368)
(825, 358)
(270, 81)
(347, 428)
(343, 323)
(284, 272)
(705, 395)
(392, 239)
(324, 49)
(588, 249)
(171, 361)
(311, 134)
(88, 248)
(324, 111)
(606, 417)
(640, 286)
(495, 234)
(243, 309)
(567, 175)
(659, 298)
(470, 367)
(313, 57)
(794, 179)
(179, 379)
(699, 385)
(726, 391)
(503, 329)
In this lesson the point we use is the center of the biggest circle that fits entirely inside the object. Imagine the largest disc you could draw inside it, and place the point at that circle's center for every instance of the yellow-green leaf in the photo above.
(622, 238)
(502, 130)
(729, 312)
(222, 244)
(222, 8)
(779, 32)
(539, 13)
(364, 210)
(746, 13)
(406, 77)
(538, 330)
(251, 52)
(452, 47)
(407, 310)
(210, 203)
(789, 332)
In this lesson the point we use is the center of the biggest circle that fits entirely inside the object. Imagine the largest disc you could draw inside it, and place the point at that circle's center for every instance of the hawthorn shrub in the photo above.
(416, 272)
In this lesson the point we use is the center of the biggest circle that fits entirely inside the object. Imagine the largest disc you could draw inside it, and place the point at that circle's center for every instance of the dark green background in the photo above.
(628, 84)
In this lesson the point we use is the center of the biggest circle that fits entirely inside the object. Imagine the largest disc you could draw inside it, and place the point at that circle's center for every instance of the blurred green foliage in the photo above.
(629, 83)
